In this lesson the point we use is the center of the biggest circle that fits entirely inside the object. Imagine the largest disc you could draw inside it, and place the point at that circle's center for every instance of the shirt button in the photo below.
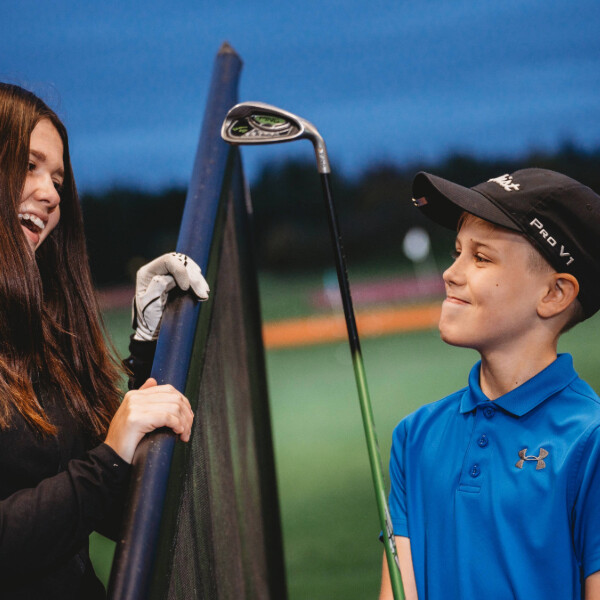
(475, 471)
(489, 412)
(483, 441)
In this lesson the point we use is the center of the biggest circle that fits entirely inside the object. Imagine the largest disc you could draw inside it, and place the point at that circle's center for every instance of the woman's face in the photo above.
(39, 210)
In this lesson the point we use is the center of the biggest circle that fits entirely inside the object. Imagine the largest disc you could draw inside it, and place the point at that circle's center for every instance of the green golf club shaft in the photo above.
(363, 395)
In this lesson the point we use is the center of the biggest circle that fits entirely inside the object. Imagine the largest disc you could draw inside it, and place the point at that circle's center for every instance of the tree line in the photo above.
(126, 228)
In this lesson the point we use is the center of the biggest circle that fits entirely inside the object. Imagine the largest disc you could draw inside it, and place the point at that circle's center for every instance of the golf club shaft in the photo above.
(363, 394)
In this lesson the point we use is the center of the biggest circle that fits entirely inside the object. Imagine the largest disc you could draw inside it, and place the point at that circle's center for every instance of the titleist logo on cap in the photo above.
(551, 241)
(506, 181)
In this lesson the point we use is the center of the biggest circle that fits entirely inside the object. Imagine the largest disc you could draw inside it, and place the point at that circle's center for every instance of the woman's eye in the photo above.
(58, 186)
(31, 166)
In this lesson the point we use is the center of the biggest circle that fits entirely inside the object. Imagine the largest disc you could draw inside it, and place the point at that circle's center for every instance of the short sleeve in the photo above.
(397, 498)
(586, 511)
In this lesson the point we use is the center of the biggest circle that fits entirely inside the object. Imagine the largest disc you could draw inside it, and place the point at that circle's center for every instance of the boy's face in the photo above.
(491, 292)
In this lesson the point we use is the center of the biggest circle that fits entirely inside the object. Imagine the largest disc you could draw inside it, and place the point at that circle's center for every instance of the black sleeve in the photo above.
(112, 523)
(139, 362)
(43, 526)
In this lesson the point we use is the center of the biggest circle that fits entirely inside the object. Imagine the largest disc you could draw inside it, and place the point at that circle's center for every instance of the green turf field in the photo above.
(329, 514)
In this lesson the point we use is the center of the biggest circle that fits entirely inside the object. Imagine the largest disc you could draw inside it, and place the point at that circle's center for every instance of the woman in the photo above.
(66, 440)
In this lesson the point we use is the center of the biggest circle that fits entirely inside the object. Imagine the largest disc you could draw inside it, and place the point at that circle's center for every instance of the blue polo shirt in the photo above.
(501, 499)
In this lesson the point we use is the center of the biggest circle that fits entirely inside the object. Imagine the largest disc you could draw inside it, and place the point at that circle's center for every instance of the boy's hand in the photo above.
(154, 281)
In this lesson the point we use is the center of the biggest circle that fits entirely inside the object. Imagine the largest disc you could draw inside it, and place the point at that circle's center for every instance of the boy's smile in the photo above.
(492, 293)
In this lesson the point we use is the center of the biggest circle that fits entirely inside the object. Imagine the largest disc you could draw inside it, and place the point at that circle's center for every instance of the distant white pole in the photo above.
(417, 248)
(331, 289)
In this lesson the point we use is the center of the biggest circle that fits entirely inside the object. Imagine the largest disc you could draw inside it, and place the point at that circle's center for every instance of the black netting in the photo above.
(221, 536)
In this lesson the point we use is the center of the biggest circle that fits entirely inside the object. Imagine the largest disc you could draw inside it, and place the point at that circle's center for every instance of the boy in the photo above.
(496, 489)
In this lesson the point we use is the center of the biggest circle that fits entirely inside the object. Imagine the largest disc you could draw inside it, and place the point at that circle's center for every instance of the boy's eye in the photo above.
(480, 259)
(455, 254)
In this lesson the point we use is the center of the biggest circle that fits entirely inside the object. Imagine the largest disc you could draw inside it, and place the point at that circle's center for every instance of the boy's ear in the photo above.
(562, 291)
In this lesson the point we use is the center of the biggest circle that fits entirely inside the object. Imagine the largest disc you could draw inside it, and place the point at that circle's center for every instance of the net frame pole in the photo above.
(134, 558)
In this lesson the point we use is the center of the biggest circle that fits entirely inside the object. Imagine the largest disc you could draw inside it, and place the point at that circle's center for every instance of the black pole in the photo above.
(363, 394)
(340, 265)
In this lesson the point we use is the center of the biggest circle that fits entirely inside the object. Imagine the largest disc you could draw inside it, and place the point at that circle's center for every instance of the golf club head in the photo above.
(260, 123)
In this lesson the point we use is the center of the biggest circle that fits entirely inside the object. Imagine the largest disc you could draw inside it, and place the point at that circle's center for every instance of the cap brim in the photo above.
(443, 202)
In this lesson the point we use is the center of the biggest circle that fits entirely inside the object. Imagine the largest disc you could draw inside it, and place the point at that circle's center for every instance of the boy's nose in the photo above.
(453, 274)
(447, 275)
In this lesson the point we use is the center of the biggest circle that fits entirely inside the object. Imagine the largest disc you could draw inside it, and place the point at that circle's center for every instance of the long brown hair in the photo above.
(51, 332)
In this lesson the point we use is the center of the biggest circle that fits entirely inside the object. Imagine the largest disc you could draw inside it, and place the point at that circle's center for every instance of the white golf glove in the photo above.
(154, 281)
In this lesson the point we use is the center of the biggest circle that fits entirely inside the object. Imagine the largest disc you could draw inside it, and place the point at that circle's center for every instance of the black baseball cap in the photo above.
(558, 215)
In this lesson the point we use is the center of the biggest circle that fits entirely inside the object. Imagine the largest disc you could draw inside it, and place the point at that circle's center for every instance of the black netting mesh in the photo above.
(220, 538)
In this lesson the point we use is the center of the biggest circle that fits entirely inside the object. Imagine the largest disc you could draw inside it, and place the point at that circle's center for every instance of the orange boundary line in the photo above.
(324, 329)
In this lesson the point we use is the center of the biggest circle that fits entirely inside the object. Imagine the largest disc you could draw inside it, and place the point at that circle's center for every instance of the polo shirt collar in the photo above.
(518, 402)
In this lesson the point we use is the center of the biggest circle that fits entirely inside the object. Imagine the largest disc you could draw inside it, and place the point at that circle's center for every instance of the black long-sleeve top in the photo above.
(54, 491)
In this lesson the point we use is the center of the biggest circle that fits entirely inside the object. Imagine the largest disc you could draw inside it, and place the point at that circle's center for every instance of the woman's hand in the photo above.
(154, 281)
(147, 409)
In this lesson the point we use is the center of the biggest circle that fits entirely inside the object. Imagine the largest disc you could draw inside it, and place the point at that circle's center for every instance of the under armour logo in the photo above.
(506, 181)
(540, 459)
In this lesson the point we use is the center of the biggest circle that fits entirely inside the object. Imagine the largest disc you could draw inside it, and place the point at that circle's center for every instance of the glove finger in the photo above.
(197, 282)
(145, 274)
(176, 265)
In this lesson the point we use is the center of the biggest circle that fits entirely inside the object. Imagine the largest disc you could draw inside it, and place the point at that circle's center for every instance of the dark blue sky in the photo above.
(395, 81)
